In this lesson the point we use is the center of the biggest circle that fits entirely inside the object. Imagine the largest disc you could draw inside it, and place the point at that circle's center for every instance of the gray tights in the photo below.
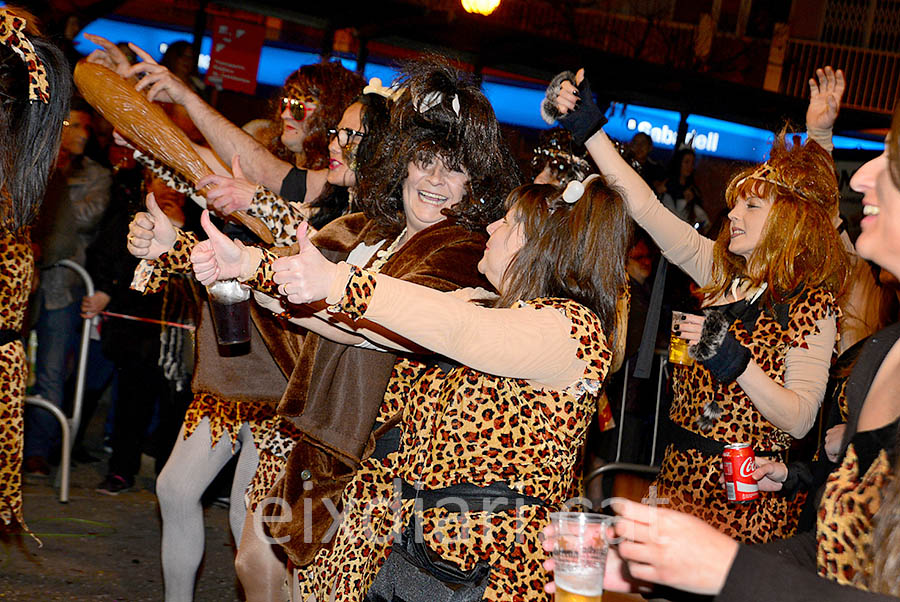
(191, 467)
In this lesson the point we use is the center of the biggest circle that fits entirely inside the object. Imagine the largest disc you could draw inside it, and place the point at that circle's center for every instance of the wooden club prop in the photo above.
(146, 124)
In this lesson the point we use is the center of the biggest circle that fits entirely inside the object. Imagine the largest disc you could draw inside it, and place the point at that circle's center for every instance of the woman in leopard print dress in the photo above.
(35, 89)
(508, 420)
(769, 287)
(855, 546)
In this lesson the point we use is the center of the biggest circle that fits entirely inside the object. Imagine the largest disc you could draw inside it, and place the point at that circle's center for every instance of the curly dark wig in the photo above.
(30, 130)
(459, 129)
(335, 88)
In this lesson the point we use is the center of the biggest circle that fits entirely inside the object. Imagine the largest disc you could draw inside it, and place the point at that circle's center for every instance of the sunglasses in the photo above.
(345, 135)
(299, 109)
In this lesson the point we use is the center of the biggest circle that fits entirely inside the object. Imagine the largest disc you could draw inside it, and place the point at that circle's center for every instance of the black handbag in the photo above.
(413, 573)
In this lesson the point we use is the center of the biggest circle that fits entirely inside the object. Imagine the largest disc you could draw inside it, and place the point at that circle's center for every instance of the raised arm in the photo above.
(678, 241)
(825, 92)
(226, 138)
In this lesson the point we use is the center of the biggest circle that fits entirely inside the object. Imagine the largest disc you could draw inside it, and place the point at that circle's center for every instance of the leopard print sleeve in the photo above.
(171, 178)
(264, 278)
(279, 215)
(151, 276)
(357, 294)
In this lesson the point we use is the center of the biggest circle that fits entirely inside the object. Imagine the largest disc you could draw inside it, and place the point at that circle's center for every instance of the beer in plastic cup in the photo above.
(678, 347)
(580, 556)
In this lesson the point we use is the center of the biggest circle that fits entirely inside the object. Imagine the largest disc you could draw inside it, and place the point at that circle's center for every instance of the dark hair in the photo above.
(80, 104)
(575, 251)
(376, 119)
(30, 129)
(567, 160)
(334, 88)
(460, 130)
(174, 51)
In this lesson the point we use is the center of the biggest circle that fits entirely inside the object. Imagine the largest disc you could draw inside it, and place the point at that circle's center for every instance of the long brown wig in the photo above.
(575, 251)
(334, 88)
(460, 130)
(799, 246)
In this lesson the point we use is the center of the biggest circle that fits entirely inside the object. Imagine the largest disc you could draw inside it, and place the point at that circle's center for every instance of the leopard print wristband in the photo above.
(357, 294)
(178, 258)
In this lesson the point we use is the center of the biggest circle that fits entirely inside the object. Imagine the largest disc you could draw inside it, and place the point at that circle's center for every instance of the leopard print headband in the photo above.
(12, 33)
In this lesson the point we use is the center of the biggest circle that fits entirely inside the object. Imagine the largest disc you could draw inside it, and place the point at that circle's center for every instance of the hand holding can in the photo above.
(738, 465)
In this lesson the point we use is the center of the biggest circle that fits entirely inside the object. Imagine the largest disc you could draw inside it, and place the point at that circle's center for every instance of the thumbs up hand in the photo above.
(218, 257)
(229, 194)
(150, 233)
(306, 276)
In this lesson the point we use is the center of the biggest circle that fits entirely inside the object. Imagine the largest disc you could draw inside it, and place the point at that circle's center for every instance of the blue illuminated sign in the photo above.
(514, 105)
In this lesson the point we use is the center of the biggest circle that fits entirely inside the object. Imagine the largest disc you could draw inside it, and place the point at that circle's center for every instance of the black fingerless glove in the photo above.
(800, 478)
(718, 350)
(584, 120)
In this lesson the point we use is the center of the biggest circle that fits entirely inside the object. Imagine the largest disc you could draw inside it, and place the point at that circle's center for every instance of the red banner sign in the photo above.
(234, 59)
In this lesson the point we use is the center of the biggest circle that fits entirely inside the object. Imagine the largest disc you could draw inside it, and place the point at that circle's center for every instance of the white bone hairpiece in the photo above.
(432, 99)
(575, 189)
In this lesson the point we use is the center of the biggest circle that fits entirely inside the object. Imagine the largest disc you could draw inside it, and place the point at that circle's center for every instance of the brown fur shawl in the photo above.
(335, 391)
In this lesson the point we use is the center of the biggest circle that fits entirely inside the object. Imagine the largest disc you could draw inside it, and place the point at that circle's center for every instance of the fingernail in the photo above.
(676, 329)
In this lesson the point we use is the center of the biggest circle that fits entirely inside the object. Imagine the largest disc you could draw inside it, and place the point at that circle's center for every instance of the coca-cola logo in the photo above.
(747, 468)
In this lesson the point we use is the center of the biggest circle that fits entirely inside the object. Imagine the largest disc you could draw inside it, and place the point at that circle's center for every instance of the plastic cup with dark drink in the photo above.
(229, 304)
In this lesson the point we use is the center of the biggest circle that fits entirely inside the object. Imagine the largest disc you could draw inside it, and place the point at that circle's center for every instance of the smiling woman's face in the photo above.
(340, 159)
(428, 190)
(879, 240)
(748, 220)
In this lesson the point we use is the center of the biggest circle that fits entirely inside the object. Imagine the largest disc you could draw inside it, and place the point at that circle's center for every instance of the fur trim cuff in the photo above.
(715, 327)
(549, 112)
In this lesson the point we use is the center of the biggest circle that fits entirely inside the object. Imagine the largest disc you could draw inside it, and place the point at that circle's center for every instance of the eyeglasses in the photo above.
(345, 135)
(299, 108)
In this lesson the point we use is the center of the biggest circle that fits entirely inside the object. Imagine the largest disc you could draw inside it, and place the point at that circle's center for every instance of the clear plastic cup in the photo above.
(580, 555)
(678, 347)
(229, 304)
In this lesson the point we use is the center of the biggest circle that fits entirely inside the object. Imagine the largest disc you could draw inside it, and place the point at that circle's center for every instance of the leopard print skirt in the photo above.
(273, 436)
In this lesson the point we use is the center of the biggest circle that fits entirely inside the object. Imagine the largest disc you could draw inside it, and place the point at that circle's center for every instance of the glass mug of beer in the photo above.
(678, 347)
(580, 555)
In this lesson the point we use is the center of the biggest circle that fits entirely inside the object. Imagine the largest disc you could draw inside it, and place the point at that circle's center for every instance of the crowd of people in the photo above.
(430, 339)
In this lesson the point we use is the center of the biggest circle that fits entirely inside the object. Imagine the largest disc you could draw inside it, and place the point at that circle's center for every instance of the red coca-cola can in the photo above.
(738, 464)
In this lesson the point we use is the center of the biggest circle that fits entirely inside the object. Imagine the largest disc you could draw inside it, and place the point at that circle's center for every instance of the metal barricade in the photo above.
(69, 426)
(617, 465)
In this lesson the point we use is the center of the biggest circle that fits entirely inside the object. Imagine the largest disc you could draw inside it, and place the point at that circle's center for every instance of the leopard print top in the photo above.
(844, 527)
(465, 426)
(689, 480)
(16, 270)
